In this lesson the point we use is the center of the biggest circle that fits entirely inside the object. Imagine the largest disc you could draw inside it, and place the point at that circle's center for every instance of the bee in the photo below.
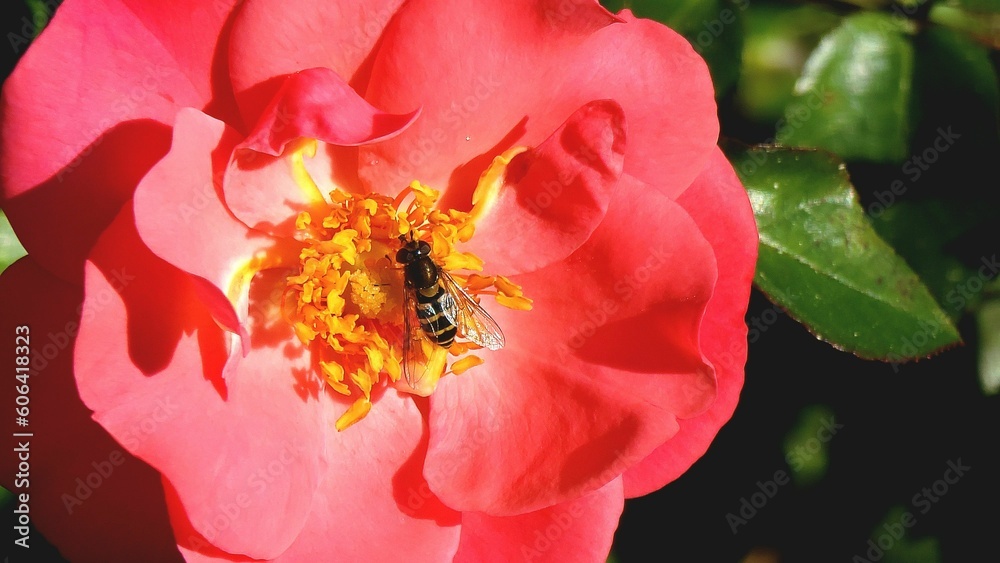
(437, 308)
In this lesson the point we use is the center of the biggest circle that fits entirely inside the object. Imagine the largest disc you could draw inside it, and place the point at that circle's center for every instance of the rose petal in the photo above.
(87, 495)
(578, 530)
(261, 187)
(560, 198)
(180, 217)
(490, 75)
(316, 103)
(718, 203)
(192, 545)
(373, 481)
(270, 40)
(109, 111)
(576, 397)
(149, 363)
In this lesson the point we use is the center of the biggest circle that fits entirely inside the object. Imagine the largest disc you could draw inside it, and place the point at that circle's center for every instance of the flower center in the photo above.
(349, 299)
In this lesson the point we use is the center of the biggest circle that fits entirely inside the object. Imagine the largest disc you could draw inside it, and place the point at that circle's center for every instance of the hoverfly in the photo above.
(437, 308)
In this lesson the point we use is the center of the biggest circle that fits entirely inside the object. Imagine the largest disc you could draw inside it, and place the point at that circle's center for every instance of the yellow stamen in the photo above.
(297, 153)
(491, 183)
(466, 363)
(346, 299)
(462, 261)
(516, 303)
(356, 412)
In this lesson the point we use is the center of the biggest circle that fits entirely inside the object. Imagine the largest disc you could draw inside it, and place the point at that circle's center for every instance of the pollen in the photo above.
(346, 300)
(367, 294)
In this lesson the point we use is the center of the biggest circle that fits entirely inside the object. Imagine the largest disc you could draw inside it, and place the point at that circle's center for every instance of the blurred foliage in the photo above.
(778, 41)
(890, 542)
(10, 247)
(806, 445)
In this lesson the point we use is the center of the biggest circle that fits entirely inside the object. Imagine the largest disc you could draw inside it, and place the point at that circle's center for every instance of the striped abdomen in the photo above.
(430, 313)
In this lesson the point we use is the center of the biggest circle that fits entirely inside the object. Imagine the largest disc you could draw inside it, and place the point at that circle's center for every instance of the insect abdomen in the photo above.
(430, 313)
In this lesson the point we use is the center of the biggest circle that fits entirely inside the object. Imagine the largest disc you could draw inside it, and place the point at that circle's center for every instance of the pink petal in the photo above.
(270, 40)
(372, 490)
(494, 74)
(592, 378)
(180, 217)
(373, 503)
(578, 530)
(149, 364)
(315, 104)
(84, 100)
(718, 203)
(86, 494)
(561, 196)
(192, 545)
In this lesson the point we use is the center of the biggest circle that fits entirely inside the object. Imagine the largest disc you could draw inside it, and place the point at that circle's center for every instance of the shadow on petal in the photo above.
(77, 204)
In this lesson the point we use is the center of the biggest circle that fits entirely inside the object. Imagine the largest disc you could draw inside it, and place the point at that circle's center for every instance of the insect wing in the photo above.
(412, 334)
(472, 320)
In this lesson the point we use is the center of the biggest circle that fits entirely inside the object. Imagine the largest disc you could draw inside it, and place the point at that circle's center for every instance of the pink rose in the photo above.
(213, 197)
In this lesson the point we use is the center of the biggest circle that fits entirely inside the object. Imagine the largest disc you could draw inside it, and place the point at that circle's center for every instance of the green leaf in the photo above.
(778, 39)
(713, 27)
(854, 97)
(821, 260)
(10, 247)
